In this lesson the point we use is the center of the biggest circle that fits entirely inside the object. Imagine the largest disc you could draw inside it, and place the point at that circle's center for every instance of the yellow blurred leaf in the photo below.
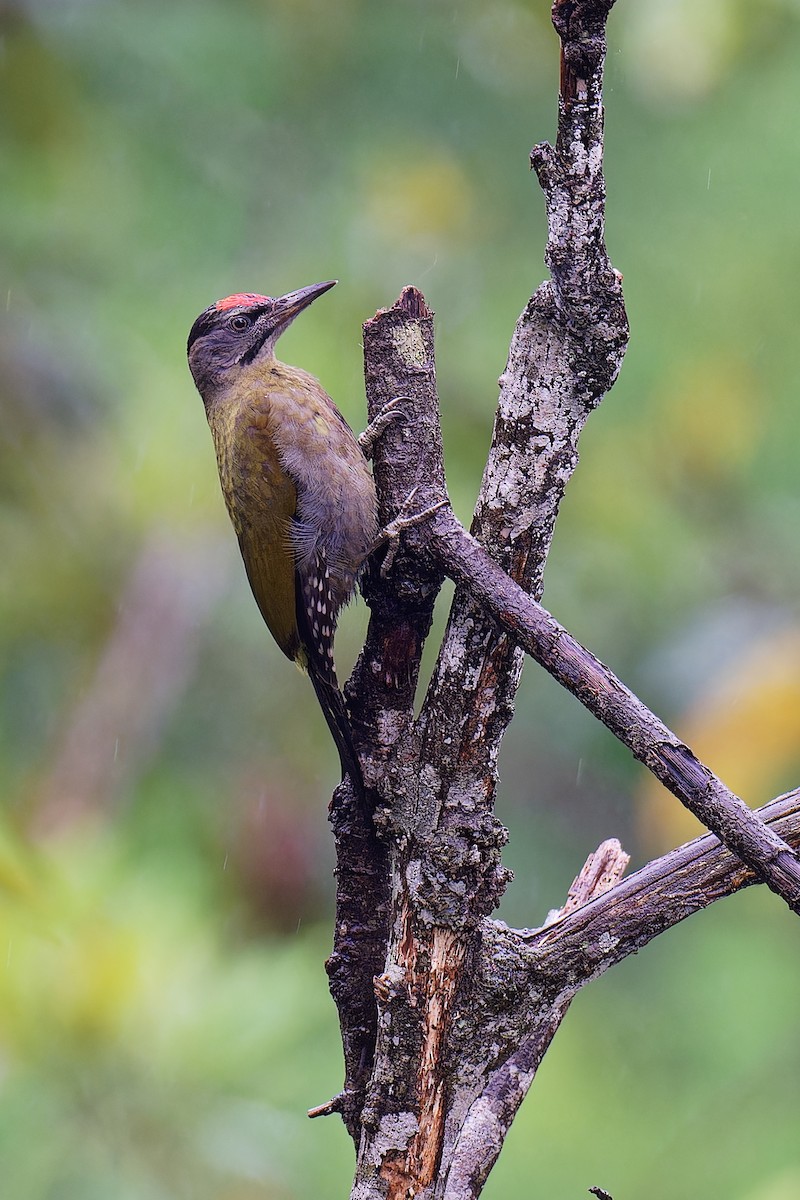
(710, 419)
(745, 726)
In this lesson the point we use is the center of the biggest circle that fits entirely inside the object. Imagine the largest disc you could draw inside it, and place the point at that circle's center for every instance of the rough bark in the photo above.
(446, 1013)
(578, 947)
(648, 739)
(400, 368)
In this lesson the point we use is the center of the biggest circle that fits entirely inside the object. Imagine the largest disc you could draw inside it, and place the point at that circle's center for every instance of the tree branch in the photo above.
(565, 955)
(599, 690)
(565, 353)
(398, 345)
(446, 1013)
(584, 944)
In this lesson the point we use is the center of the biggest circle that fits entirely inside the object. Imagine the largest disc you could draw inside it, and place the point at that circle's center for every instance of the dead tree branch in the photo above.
(446, 1013)
(399, 347)
(577, 948)
(599, 690)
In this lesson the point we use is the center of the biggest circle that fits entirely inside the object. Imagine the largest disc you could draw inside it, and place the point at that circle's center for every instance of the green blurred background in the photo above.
(165, 865)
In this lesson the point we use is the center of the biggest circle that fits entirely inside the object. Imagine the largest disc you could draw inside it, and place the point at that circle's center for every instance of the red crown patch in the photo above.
(241, 300)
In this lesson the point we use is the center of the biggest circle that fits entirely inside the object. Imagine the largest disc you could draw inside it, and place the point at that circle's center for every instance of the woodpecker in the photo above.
(296, 484)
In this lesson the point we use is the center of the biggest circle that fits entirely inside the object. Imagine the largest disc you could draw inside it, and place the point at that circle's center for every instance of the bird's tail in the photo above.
(316, 622)
(331, 701)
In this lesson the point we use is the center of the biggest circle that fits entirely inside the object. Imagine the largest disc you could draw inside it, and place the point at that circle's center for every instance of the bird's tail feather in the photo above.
(331, 701)
(316, 621)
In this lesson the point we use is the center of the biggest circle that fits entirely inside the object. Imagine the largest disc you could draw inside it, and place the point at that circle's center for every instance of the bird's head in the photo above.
(240, 329)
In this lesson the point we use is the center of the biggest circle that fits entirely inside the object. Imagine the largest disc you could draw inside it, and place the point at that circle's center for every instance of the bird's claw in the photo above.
(405, 519)
(389, 413)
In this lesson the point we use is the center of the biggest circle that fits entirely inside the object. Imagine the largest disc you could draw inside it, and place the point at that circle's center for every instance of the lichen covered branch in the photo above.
(599, 690)
(445, 1012)
(433, 780)
(583, 944)
(401, 371)
(565, 353)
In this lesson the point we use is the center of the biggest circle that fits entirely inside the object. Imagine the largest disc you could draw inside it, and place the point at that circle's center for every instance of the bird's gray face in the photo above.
(240, 329)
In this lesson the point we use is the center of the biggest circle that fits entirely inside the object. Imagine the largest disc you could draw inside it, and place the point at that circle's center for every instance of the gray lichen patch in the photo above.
(409, 344)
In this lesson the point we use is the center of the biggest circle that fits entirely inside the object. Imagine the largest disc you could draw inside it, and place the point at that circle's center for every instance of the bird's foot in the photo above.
(405, 519)
(389, 413)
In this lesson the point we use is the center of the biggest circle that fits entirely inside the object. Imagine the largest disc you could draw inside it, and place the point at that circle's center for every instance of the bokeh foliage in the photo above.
(165, 893)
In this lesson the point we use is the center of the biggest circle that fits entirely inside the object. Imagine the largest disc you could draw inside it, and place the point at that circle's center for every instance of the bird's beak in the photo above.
(285, 308)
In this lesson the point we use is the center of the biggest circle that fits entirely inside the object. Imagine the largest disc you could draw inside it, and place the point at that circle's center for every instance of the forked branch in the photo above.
(446, 1013)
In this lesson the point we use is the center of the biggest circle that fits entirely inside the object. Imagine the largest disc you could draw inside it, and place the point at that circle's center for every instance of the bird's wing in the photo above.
(263, 523)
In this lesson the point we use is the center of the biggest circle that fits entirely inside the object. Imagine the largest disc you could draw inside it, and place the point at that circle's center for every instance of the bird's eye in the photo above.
(239, 323)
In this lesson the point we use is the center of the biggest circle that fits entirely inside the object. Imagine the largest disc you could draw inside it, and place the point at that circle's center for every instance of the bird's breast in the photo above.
(277, 427)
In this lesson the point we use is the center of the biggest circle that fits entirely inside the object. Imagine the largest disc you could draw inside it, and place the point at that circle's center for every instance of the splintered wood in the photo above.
(407, 1174)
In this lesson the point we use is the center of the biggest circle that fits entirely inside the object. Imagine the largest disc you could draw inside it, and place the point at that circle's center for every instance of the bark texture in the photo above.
(446, 1013)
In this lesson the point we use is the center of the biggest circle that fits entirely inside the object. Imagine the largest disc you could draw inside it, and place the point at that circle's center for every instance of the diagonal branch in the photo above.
(565, 955)
(488, 1121)
(599, 690)
(667, 890)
